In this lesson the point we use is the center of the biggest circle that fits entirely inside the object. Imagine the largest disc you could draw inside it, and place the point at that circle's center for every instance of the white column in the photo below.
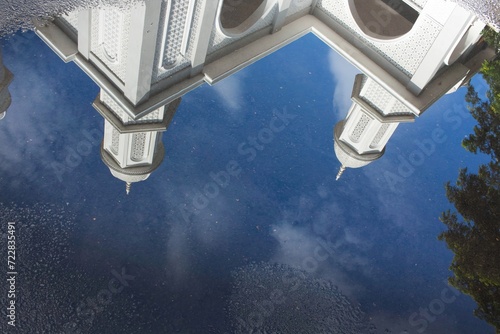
(84, 32)
(141, 50)
(279, 19)
(364, 133)
(130, 149)
(202, 34)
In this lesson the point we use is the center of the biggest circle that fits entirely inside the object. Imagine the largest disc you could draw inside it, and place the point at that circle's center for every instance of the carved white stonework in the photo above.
(406, 53)
(177, 22)
(110, 37)
(153, 117)
(382, 132)
(364, 133)
(130, 149)
(145, 57)
(379, 98)
(172, 36)
(220, 38)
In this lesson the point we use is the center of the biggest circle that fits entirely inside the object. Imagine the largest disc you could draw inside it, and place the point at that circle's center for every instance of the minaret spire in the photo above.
(127, 187)
(341, 171)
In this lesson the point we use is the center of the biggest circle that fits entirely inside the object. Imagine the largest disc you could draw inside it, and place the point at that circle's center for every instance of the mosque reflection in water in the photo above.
(146, 57)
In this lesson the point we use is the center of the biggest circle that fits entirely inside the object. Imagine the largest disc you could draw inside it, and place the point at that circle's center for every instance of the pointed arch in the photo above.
(383, 19)
(237, 16)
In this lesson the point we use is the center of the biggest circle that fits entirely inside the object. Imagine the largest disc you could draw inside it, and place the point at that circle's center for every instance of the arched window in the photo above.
(237, 16)
(138, 147)
(383, 19)
(360, 128)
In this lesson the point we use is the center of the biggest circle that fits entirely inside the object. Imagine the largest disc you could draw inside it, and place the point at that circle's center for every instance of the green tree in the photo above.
(487, 113)
(475, 240)
(473, 232)
(486, 136)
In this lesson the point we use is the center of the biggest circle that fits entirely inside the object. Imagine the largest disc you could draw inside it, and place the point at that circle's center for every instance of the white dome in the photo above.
(2, 114)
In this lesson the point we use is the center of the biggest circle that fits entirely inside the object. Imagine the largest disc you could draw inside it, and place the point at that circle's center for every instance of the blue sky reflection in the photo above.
(373, 233)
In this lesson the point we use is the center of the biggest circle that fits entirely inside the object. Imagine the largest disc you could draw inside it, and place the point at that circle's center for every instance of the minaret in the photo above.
(147, 55)
(132, 149)
(374, 116)
(131, 157)
(5, 79)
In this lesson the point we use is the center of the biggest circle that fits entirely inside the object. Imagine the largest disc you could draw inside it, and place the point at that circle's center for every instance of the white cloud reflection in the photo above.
(344, 74)
(315, 235)
(230, 92)
(178, 260)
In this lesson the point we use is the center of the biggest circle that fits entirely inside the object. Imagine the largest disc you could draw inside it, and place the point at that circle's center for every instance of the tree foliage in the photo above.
(485, 138)
(473, 232)
(486, 134)
(475, 240)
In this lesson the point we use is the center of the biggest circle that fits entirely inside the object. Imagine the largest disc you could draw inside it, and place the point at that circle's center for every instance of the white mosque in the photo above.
(144, 58)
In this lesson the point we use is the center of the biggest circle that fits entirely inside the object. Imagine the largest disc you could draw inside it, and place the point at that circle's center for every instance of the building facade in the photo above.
(144, 58)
